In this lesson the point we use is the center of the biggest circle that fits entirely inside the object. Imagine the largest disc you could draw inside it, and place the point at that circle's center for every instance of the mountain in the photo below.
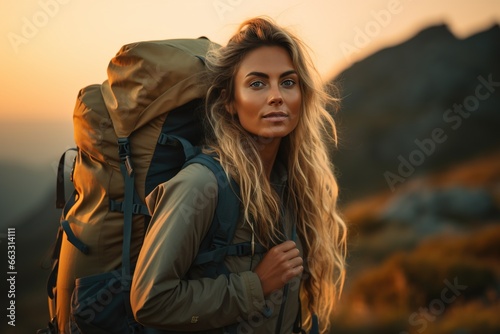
(418, 167)
(35, 234)
(426, 104)
(24, 188)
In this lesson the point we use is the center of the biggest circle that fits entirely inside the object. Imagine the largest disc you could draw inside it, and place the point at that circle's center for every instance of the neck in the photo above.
(268, 152)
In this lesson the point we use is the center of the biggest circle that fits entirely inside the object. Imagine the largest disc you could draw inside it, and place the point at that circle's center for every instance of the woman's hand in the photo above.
(279, 265)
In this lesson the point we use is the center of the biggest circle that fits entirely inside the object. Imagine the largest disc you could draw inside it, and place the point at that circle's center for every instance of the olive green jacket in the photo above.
(162, 297)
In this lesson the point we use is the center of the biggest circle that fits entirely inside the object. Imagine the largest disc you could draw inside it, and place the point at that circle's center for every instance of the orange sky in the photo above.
(52, 48)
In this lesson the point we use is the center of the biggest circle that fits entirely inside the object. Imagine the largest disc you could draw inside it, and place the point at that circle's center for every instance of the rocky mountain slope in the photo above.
(426, 104)
(419, 174)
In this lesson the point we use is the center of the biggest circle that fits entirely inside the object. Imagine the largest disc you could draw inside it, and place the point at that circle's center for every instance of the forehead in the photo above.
(266, 59)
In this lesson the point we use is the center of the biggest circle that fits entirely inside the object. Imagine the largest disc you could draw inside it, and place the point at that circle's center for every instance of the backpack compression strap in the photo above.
(60, 185)
(63, 203)
(127, 170)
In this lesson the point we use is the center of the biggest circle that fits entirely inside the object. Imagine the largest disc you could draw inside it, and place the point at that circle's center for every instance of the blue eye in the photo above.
(257, 84)
(288, 83)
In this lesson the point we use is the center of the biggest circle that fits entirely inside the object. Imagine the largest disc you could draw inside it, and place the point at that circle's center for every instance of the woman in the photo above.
(268, 122)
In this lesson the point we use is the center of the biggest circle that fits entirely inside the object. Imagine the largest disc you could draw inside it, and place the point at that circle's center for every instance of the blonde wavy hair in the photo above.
(311, 182)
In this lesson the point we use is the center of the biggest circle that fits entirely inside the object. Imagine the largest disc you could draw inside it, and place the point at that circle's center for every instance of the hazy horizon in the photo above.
(40, 142)
(53, 48)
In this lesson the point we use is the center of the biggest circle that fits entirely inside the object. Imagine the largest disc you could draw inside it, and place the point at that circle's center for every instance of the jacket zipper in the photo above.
(279, 323)
(284, 199)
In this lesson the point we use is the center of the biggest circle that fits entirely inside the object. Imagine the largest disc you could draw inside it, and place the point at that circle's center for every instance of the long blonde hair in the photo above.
(312, 185)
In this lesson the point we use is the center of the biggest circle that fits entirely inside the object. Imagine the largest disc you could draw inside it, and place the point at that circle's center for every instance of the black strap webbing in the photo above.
(60, 191)
(190, 151)
(225, 218)
(128, 201)
(73, 239)
(218, 254)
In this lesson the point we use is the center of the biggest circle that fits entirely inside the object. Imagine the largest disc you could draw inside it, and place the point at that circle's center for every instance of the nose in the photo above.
(275, 98)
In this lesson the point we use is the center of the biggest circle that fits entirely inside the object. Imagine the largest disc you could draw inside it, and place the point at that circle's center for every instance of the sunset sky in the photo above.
(52, 48)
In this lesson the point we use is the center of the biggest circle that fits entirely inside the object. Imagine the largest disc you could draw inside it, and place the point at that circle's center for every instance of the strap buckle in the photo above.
(125, 153)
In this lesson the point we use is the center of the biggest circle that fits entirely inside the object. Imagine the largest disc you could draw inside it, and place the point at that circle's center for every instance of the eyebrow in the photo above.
(264, 75)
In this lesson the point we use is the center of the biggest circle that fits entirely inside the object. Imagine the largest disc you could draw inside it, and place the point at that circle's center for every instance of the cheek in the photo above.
(246, 106)
(296, 109)
(296, 104)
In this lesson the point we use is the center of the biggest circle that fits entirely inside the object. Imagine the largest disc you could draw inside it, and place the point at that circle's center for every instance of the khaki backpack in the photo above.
(134, 131)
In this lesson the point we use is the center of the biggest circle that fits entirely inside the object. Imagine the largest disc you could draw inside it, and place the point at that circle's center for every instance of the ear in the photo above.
(230, 109)
(229, 106)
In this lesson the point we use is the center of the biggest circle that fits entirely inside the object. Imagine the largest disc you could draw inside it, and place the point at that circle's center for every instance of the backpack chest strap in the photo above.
(217, 255)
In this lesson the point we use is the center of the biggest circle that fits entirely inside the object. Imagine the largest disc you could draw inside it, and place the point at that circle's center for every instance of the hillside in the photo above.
(35, 236)
(22, 188)
(426, 104)
(419, 174)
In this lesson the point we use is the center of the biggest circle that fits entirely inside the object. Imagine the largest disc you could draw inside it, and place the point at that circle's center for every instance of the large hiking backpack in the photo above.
(133, 132)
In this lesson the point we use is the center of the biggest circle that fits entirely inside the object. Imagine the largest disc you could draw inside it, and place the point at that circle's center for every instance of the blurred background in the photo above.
(418, 161)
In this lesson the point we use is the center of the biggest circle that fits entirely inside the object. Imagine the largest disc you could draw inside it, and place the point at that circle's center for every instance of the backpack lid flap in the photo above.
(93, 129)
(148, 79)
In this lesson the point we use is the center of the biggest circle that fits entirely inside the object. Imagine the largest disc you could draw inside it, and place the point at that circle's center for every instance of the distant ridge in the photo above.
(23, 189)
(402, 94)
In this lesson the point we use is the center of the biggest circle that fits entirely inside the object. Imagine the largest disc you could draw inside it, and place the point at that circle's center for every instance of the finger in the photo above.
(294, 272)
(295, 262)
(297, 271)
(291, 254)
(286, 246)
(282, 250)
(294, 252)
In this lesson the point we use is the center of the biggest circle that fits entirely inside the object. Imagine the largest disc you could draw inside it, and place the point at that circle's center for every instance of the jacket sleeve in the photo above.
(182, 211)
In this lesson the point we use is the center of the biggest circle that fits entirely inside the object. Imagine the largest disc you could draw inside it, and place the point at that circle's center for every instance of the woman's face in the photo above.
(267, 97)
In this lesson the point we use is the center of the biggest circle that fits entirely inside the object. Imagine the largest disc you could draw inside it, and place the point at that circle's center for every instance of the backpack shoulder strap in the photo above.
(218, 242)
(228, 203)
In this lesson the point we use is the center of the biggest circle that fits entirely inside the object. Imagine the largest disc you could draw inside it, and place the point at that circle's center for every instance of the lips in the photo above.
(276, 115)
